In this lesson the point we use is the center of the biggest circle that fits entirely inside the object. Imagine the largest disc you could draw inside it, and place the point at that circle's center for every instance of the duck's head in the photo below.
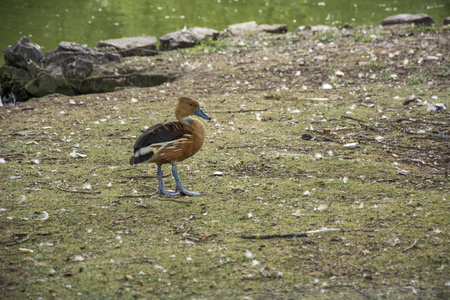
(187, 107)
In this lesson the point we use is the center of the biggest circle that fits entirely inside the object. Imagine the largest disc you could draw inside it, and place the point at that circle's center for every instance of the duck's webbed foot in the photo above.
(180, 187)
(161, 189)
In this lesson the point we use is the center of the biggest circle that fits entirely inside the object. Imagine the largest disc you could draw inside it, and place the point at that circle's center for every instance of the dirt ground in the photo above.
(324, 173)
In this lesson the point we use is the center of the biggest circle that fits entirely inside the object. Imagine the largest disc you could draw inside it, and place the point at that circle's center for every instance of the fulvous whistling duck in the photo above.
(172, 142)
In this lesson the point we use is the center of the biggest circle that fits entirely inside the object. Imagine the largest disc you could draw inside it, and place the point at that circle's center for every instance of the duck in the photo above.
(172, 142)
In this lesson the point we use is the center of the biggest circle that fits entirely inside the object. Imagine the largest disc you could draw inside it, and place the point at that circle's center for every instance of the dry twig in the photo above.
(8, 244)
(274, 236)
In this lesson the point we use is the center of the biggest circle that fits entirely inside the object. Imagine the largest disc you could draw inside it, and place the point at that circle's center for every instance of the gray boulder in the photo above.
(49, 84)
(186, 38)
(250, 27)
(419, 19)
(204, 33)
(74, 69)
(12, 82)
(131, 46)
(77, 67)
(242, 28)
(108, 77)
(178, 39)
(23, 53)
(67, 50)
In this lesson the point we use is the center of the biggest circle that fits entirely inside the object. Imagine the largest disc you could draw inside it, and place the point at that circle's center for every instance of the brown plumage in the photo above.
(172, 142)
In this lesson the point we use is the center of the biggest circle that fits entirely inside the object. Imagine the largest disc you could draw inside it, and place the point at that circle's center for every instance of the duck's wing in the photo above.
(158, 136)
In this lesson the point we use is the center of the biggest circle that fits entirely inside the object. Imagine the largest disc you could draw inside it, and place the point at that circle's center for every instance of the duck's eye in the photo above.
(191, 104)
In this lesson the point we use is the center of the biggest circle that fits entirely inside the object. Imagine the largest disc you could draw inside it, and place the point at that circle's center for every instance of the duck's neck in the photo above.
(186, 120)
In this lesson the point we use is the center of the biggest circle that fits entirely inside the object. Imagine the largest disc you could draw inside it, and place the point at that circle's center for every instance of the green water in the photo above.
(48, 22)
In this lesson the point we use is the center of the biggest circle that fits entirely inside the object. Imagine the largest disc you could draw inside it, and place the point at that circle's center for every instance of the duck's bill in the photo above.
(202, 114)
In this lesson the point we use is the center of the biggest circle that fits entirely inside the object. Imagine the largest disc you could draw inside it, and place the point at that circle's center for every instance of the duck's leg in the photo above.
(180, 187)
(161, 189)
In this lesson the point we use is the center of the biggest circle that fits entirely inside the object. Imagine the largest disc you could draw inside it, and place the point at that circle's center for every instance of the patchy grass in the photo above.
(277, 160)
(210, 46)
(326, 37)
(417, 79)
(361, 37)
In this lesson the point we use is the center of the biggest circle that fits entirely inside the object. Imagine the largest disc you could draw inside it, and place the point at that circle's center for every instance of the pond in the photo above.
(48, 22)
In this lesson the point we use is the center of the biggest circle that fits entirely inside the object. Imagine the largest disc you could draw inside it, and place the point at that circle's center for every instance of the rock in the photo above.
(13, 81)
(418, 19)
(67, 50)
(102, 81)
(23, 53)
(132, 46)
(48, 84)
(275, 28)
(242, 28)
(186, 38)
(204, 33)
(249, 27)
(77, 68)
(178, 39)
(446, 20)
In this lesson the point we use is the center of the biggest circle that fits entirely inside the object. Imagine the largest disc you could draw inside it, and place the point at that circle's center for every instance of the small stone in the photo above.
(403, 172)
(78, 258)
(327, 86)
